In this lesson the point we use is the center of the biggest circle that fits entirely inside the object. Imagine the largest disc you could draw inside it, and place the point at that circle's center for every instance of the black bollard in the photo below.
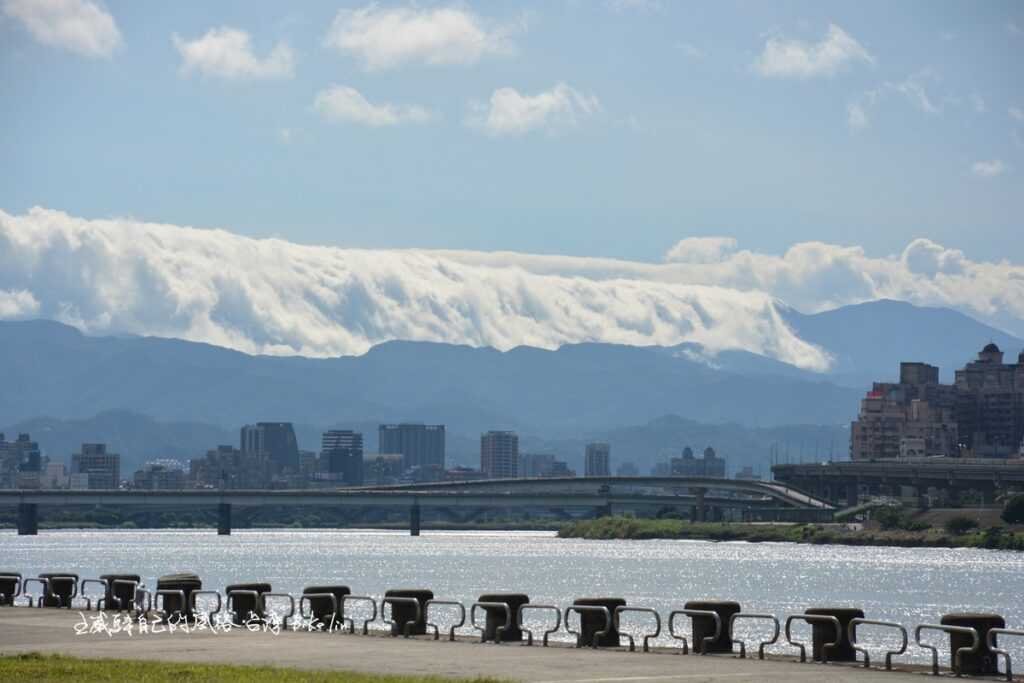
(704, 627)
(822, 633)
(247, 609)
(593, 622)
(9, 584)
(983, 662)
(496, 616)
(186, 582)
(402, 614)
(121, 596)
(63, 587)
(321, 608)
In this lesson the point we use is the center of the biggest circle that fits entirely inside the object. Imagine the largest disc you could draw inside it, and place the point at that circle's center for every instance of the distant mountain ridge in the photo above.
(52, 369)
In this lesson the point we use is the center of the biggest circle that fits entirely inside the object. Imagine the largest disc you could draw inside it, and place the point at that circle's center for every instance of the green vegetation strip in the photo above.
(636, 528)
(45, 668)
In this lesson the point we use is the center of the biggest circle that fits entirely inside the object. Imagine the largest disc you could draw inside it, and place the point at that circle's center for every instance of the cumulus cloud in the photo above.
(988, 169)
(386, 38)
(272, 296)
(79, 26)
(911, 88)
(782, 58)
(1016, 113)
(228, 53)
(510, 112)
(344, 104)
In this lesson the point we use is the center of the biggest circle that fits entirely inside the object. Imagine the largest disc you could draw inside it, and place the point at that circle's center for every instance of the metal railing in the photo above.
(691, 613)
(409, 623)
(88, 599)
(581, 610)
(647, 636)
(193, 600)
(4, 598)
(762, 644)
(990, 640)
(958, 655)
(286, 596)
(851, 632)
(311, 617)
(163, 593)
(445, 603)
(351, 620)
(814, 619)
(43, 583)
(529, 633)
(499, 630)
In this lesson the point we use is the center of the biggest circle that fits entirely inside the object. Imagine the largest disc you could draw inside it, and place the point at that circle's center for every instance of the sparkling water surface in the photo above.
(906, 585)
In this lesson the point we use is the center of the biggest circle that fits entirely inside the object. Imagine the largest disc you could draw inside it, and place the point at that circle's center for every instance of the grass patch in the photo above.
(40, 668)
(640, 529)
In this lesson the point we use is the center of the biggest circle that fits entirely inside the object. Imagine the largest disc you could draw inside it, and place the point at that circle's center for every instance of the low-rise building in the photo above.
(102, 468)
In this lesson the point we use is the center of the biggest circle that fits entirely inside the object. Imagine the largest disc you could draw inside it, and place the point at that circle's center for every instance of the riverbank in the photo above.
(606, 528)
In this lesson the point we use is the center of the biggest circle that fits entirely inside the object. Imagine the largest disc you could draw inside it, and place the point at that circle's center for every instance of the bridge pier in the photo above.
(699, 508)
(414, 520)
(224, 519)
(28, 519)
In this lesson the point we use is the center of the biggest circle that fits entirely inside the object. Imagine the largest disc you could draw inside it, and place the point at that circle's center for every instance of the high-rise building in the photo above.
(915, 415)
(499, 454)
(420, 445)
(159, 477)
(689, 466)
(227, 467)
(102, 470)
(21, 463)
(543, 465)
(382, 468)
(342, 451)
(990, 404)
(597, 457)
(273, 440)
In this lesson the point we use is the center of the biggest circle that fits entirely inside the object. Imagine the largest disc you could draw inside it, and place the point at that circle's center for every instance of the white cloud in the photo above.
(980, 106)
(16, 304)
(783, 58)
(386, 38)
(701, 250)
(78, 26)
(272, 296)
(858, 112)
(343, 104)
(228, 53)
(988, 169)
(510, 112)
(1014, 28)
(1016, 113)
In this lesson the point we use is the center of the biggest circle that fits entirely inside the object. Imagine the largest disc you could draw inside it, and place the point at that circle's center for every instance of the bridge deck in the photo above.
(49, 630)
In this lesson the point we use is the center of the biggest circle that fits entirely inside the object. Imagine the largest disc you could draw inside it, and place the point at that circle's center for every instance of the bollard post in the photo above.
(414, 520)
(28, 519)
(224, 519)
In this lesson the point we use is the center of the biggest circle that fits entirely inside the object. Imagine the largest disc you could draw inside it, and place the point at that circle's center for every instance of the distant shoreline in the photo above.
(629, 528)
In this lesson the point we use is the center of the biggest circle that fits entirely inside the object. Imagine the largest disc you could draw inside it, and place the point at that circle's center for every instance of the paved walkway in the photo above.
(50, 630)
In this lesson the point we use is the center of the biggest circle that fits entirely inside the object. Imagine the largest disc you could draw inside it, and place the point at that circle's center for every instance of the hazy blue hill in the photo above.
(869, 340)
(138, 438)
(60, 372)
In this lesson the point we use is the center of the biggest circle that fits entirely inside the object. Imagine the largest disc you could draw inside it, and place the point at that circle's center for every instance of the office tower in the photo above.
(420, 445)
(597, 456)
(499, 454)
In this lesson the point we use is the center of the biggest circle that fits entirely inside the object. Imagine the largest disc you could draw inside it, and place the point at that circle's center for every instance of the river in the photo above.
(907, 585)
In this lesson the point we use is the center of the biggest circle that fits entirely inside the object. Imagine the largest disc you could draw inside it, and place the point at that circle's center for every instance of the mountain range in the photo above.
(153, 397)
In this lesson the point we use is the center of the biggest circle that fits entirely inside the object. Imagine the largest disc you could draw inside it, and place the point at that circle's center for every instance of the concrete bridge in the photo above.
(602, 495)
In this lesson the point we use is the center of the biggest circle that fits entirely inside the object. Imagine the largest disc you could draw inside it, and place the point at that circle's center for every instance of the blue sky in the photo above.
(579, 128)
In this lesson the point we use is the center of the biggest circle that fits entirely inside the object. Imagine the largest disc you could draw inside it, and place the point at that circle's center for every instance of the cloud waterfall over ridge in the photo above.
(273, 296)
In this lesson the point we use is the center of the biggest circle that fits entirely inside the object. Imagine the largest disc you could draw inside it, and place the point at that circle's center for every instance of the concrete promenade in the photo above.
(53, 631)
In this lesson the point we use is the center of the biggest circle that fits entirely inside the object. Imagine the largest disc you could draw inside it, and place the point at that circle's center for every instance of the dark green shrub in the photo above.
(960, 525)
(1013, 512)
(888, 517)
